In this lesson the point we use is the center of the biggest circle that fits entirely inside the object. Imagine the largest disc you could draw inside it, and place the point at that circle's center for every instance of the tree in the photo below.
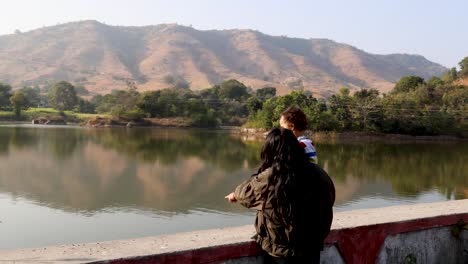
(81, 90)
(408, 83)
(84, 106)
(366, 94)
(463, 68)
(181, 83)
(320, 119)
(340, 107)
(5, 94)
(118, 102)
(32, 96)
(232, 89)
(269, 113)
(435, 81)
(168, 79)
(176, 81)
(402, 114)
(266, 92)
(253, 104)
(344, 92)
(63, 96)
(295, 83)
(18, 101)
(367, 110)
(148, 103)
(451, 75)
(264, 117)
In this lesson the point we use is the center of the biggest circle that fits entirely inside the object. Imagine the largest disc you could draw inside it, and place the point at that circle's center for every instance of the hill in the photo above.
(102, 58)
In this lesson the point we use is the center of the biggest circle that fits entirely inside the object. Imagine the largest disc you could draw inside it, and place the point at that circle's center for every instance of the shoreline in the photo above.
(254, 133)
(353, 136)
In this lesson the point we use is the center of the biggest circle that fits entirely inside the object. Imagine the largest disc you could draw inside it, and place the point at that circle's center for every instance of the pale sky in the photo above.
(438, 30)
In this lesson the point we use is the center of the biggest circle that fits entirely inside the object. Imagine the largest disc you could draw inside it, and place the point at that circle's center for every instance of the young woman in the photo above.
(293, 217)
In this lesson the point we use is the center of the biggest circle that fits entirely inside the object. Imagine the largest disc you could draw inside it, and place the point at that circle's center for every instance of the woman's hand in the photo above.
(231, 197)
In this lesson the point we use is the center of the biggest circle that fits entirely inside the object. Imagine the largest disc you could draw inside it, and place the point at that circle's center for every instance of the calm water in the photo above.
(69, 185)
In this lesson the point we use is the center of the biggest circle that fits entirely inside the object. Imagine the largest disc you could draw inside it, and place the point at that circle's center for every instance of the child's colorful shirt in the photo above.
(309, 148)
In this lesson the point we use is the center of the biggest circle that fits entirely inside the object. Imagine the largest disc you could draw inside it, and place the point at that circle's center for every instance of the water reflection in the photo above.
(169, 171)
(410, 168)
(90, 170)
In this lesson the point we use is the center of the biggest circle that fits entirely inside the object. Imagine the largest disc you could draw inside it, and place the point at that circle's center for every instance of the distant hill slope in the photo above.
(103, 58)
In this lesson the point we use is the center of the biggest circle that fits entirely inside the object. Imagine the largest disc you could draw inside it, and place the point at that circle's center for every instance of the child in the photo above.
(295, 120)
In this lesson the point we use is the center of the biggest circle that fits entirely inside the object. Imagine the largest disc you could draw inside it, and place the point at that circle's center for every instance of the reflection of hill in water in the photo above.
(109, 168)
(178, 170)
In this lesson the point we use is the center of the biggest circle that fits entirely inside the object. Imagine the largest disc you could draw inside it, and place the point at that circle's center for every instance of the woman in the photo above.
(286, 193)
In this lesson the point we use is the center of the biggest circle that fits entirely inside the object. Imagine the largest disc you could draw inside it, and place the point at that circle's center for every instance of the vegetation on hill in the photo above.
(104, 58)
(415, 106)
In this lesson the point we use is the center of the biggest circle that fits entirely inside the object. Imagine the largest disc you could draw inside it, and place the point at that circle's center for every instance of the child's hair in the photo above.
(295, 116)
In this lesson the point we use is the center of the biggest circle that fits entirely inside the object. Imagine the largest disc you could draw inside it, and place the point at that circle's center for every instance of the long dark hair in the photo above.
(286, 157)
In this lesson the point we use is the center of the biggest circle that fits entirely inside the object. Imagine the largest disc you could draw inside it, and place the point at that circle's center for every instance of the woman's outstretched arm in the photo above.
(250, 192)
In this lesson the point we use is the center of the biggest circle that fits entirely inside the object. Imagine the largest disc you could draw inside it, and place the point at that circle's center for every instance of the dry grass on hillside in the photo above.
(103, 58)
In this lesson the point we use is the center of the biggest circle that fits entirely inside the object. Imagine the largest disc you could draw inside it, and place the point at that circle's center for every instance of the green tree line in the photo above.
(415, 106)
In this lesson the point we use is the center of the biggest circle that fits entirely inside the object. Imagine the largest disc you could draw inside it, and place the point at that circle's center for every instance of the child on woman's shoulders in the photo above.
(295, 120)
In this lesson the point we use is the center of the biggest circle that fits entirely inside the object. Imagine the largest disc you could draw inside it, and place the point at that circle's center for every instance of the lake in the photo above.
(64, 185)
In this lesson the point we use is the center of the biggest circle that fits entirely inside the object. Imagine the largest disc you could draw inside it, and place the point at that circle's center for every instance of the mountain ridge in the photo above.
(103, 57)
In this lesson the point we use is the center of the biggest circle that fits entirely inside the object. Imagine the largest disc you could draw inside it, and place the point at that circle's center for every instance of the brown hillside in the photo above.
(103, 58)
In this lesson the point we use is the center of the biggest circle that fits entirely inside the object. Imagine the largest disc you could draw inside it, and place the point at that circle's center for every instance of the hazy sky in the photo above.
(437, 30)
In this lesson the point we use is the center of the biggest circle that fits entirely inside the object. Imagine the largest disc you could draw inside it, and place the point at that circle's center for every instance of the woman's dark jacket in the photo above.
(315, 195)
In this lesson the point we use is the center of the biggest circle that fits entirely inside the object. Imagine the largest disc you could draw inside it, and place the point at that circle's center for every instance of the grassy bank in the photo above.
(34, 113)
(97, 120)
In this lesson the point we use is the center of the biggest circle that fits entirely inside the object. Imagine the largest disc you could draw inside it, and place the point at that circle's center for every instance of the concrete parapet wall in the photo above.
(419, 233)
